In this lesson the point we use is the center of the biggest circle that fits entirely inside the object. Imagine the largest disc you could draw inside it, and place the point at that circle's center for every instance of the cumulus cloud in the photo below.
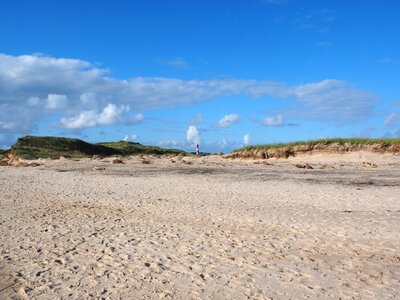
(228, 120)
(274, 121)
(192, 135)
(246, 139)
(109, 115)
(79, 91)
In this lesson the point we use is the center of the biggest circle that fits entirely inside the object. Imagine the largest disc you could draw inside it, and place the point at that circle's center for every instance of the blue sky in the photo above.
(220, 73)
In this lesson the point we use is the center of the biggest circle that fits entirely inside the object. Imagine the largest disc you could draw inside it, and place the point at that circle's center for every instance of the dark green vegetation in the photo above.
(33, 147)
(340, 141)
(130, 148)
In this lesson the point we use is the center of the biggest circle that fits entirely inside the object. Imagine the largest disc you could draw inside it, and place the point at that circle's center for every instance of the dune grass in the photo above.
(131, 148)
(341, 141)
(33, 147)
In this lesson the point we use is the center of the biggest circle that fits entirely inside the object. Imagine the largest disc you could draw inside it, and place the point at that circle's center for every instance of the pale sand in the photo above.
(206, 228)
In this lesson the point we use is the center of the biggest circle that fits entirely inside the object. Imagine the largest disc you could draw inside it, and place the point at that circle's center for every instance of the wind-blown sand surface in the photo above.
(208, 228)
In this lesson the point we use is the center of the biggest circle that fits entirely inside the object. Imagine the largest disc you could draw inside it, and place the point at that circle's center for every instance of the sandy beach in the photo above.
(315, 227)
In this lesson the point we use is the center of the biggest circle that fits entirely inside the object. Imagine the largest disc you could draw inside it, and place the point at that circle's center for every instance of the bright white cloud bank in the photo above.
(34, 86)
(228, 120)
(111, 114)
(192, 136)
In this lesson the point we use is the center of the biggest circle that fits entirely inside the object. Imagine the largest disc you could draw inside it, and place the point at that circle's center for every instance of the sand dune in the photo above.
(208, 228)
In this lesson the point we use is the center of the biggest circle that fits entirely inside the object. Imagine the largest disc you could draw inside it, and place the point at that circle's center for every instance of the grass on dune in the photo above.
(131, 148)
(33, 147)
(341, 141)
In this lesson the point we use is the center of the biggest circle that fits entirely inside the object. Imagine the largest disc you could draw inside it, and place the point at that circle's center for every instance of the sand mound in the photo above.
(314, 148)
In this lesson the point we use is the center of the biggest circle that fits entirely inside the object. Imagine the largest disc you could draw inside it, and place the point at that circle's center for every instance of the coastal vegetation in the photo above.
(34, 147)
(334, 145)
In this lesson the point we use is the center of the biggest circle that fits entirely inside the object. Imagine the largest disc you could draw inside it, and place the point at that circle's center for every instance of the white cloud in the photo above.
(274, 121)
(332, 101)
(55, 101)
(136, 119)
(228, 120)
(130, 138)
(168, 143)
(192, 135)
(82, 120)
(197, 119)
(109, 115)
(246, 139)
(76, 88)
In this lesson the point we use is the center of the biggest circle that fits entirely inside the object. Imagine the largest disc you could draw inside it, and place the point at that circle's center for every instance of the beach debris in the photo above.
(146, 161)
(304, 166)
(98, 168)
(117, 161)
(368, 164)
(27, 164)
(62, 157)
(263, 162)
(325, 166)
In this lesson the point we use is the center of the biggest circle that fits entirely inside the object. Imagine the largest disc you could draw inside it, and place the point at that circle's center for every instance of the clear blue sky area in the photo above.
(219, 73)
